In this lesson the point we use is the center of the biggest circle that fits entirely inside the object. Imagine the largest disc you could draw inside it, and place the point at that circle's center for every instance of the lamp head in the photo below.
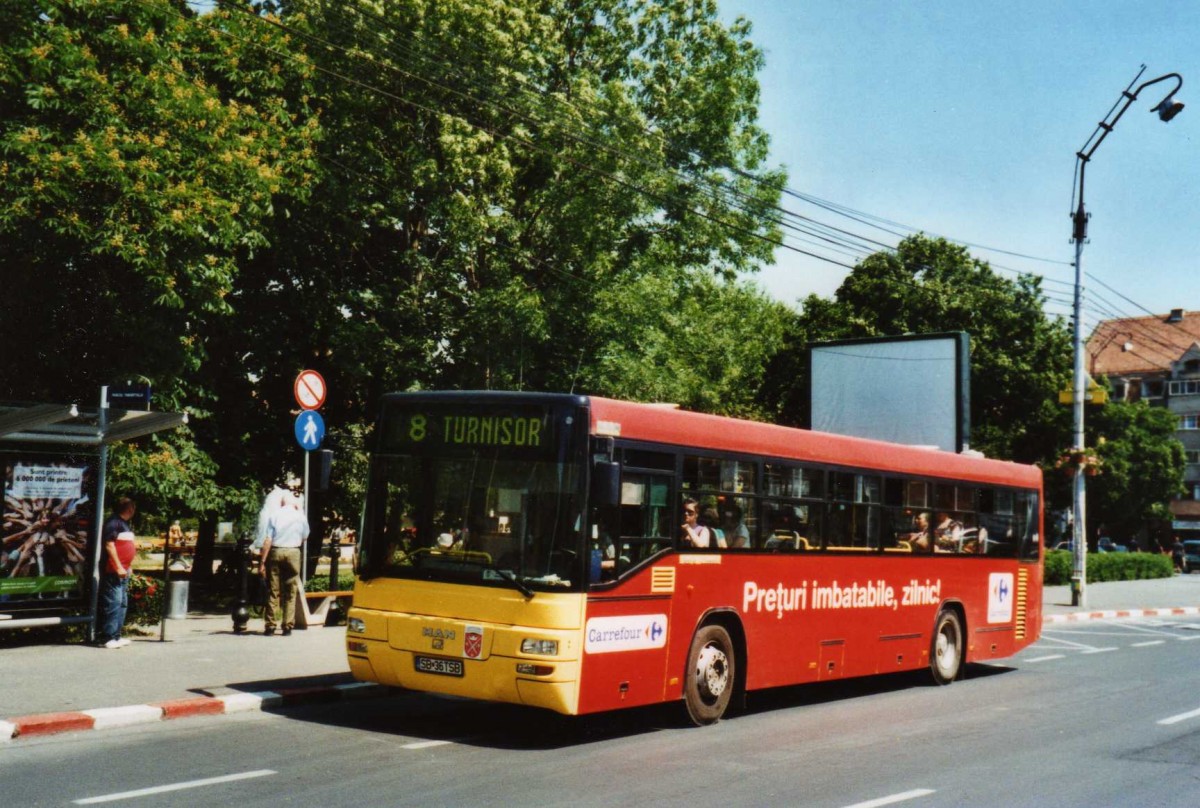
(1168, 108)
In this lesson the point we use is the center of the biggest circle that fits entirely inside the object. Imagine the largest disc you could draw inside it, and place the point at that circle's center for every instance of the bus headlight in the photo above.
(357, 625)
(539, 647)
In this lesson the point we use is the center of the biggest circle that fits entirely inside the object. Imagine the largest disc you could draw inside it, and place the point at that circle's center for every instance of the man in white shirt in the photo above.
(287, 528)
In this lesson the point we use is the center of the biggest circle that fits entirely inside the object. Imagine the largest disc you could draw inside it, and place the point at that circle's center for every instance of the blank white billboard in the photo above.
(911, 389)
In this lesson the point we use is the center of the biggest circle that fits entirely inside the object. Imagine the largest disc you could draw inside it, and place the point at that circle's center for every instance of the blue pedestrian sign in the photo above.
(310, 430)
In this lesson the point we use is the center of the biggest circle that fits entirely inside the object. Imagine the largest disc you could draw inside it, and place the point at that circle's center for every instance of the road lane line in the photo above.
(894, 798)
(146, 792)
(425, 744)
(1097, 650)
(1175, 719)
(1046, 658)
(1072, 645)
(1146, 644)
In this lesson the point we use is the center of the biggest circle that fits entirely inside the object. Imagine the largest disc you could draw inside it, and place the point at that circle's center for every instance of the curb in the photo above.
(113, 717)
(1076, 617)
(240, 702)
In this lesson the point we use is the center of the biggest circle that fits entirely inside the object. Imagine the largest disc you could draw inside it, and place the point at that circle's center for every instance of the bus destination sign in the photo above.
(437, 429)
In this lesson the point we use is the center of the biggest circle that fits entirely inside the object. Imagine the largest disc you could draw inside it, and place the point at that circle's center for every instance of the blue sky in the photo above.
(963, 119)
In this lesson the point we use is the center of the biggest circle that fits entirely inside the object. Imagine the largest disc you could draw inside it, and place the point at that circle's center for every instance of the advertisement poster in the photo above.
(47, 528)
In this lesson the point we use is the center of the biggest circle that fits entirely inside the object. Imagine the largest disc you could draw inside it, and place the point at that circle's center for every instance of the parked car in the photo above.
(1103, 546)
(1191, 556)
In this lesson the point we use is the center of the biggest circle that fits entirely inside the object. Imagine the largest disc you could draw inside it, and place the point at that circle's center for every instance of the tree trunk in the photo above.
(202, 568)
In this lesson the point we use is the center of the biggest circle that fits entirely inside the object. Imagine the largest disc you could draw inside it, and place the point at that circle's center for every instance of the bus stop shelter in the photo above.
(54, 462)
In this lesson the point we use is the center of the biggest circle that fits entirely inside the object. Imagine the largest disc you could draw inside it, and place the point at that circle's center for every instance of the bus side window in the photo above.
(645, 518)
(1025, 508)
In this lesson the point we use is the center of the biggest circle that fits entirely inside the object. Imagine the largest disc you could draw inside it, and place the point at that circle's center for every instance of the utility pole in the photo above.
(1167, 109)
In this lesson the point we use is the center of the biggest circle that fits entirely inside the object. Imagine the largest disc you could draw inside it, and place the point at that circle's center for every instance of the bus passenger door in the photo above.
(626, 632)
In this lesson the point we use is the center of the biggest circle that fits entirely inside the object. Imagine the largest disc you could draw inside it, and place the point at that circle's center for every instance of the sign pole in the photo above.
(308, 518)
(98, 544)
(309, 428)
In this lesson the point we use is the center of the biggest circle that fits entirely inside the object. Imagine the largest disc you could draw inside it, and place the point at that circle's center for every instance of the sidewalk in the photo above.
(204, 668)
(1124, 599)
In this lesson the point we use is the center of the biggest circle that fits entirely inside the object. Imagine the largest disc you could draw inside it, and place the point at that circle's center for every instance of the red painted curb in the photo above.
(184, 708)
(50, 723)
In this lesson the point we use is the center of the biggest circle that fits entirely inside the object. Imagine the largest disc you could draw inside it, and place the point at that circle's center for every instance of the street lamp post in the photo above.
(1167, 109)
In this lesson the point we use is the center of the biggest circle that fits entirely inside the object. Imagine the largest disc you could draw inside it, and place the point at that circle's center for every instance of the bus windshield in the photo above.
(478, 510)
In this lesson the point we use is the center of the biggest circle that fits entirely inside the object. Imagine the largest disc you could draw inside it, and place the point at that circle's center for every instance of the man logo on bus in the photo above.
(473, 642)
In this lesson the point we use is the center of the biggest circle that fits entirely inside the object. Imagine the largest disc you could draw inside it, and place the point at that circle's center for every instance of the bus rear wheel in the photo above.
(945, 658)
(710, 675)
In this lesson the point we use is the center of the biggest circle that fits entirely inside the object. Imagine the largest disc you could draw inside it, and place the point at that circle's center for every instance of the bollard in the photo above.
(241, 606)
(334, 616)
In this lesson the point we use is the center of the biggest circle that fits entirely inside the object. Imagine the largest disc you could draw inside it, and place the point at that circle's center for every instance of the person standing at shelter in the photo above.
(287, 528)
(116, 564)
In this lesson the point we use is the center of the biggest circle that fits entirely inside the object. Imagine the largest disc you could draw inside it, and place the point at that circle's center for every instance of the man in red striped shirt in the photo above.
(116, 565)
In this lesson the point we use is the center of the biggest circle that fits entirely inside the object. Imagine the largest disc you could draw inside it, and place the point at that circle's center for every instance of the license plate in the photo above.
(445, 667)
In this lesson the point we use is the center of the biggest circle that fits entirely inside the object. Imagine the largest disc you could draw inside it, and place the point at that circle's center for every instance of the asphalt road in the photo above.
(1102, 713)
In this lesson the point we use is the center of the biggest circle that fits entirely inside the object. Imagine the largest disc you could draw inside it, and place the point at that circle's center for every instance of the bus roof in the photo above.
(670, 425)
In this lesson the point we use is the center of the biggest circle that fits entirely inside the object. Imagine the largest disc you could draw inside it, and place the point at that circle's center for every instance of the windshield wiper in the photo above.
(511, 577)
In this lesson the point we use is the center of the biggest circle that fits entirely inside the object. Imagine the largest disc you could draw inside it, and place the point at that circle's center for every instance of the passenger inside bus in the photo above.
(736, 532)
(948, 534)
(919, 539)
(712, 520)
(692, 533)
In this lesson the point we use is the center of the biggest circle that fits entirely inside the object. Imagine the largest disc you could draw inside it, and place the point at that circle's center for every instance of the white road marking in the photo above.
(1146, 644)
(1097, 650)
(425, 744)
(1175, 719)
(894, 798)
(1075, 645)
(146, 792)
(1046, 658)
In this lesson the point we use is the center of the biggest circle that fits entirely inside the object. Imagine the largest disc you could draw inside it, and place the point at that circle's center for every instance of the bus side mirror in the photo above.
(606, 483)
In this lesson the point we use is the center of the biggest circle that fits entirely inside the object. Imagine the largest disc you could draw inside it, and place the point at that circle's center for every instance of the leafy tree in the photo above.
(520, 196)
(1142, 466)
(1020, 359)
(134, 174)
(708, 351)
(142, 157)
(535, 194)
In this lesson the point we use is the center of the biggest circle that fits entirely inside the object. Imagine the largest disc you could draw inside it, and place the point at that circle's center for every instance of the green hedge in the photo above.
(1107, 567)
(320, 582)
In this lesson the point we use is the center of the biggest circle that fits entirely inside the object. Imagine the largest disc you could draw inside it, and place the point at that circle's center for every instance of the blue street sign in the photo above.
(310, 430)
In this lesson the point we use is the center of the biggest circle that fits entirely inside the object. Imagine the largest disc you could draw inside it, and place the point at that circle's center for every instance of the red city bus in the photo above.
(534, 549)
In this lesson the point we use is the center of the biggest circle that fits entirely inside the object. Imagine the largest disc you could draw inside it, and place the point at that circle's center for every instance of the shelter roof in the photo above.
(67, 424)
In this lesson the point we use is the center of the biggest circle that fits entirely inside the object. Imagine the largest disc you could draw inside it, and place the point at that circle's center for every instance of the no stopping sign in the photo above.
(310, 390)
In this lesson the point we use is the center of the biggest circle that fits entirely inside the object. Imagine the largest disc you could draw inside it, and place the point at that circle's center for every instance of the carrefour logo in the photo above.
(626, 633)
(1000, 600)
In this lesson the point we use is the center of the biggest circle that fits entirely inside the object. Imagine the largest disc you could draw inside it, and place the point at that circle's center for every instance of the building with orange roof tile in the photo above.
(1156, 359)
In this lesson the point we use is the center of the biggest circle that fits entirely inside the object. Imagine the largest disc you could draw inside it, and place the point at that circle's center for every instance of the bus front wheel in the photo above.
(947, 652)
(710, 675)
